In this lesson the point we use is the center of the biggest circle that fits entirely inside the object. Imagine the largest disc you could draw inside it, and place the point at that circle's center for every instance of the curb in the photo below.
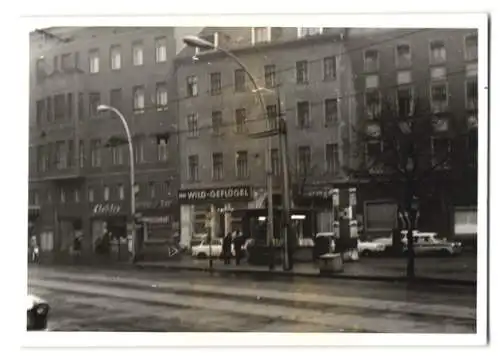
(417, 280)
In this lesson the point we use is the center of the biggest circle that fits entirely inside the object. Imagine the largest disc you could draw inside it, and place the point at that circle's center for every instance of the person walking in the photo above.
(226, 248)
(238, 243)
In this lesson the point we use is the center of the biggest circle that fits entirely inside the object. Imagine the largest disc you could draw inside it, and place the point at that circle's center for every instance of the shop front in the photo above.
(219, 205)
(109, 229)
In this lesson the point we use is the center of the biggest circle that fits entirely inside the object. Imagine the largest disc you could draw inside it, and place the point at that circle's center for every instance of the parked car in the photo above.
(37, 311)
(366, 248)
(429, 243)
(203, 250)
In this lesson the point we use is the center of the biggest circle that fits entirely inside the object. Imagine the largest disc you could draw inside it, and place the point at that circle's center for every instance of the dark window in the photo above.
(303, 114)
(441, 149)
(217, 166)
(81, 154)
(193, 168)
(241, 119)
(161, 96)
(403, 55)
(405, 102)
(61, 155)
(471, 94)
(49, 111)
(115, 99)
(270, 75)
(272, 116)
(192, 86)
(439, 97)
(95, 153)
(66, 63)
(302, 75)
(239, 80)
(329, 68)
(275, 162)
(304, 160)
(81, 106)
(438, 52)
(69, 106)
(332, 158)
(471, 47)
(139, 98)
(59, 108)
(71, 153)
(192, 121)
(372, 103)
(40, 111)
(215, 83)
(331, 111)
(371, 60)
(242, 164)
(94, 102)
(216, 122)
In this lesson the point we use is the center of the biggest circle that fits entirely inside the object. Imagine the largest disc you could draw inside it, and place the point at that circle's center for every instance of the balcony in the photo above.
(65, 174)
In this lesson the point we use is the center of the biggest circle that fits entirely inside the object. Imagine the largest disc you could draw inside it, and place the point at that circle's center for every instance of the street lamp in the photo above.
(102, 108)
(195, 41)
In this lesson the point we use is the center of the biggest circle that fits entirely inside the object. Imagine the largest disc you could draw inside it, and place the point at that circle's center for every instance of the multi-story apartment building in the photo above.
(436, 70)
(79, 160)
(302, 74)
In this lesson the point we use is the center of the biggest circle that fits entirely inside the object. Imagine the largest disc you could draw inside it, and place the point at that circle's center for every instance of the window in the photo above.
(43, 159)
(304, 160)
(241, 119)
(139, 94)
(69, 106)
(59, 108)
(192, 122)
(81, 106)
(94, 102)
(331, 111)
(165, 189)
(380, 216)
(161, 96)
(438, 52)
(215, 83)
(303, 116)
(439, 97)
(471, 47)
(239, 80)
(242, 165)
(91, 194)
(403, 56)
(275, 162)
(162, 150)
(137, 53)
(94, 61)
(115, 97)
(471, 94)
(329, 68)
(116, 57)
(161, 49)
(465, 220)
(117, 155)
(40, 111)
(48, 107)
(121, 192)
(373, 152)
(192, 86)
(66, 63)
(212, 38)
(76, 195)
(152, 190)
(441, 149)
(61, 159)
(272, 116)
(139, 150)
(372, 103)
(404, 101)
(55, 67)
(41, 71)
(81, 154)
(404, 77)
(50, 156)
(62, 195)
(106, 193)
(371, 60)
(217, 122)
(193, 168)
(332, 158)
(217, 166)
(309, 31)
(95, 153)
(71, 153)
(301, 72)
(261, 34)
(270, 76)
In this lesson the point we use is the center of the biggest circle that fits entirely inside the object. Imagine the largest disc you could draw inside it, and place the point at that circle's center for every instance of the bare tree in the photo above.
(407, 149)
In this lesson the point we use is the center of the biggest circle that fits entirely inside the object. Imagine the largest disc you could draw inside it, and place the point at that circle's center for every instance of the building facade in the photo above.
(79, 159)
(302, 75)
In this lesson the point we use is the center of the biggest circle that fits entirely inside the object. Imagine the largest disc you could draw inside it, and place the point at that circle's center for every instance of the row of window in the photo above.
(70, 61)
(60, 108)
(62, 155)
(151, 190)
(403, 54)
(242, 171)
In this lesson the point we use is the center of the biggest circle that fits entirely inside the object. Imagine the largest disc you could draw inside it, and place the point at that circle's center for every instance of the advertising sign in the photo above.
(208, 195)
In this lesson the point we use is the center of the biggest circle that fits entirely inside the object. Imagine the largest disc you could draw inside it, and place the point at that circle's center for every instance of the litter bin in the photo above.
(331, 263)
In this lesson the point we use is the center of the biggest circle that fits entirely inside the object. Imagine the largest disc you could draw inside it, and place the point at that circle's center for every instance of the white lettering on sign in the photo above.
(232, 193)
(107, 208)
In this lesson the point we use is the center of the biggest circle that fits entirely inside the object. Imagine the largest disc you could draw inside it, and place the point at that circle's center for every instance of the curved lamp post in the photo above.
(102, 108)
(195, 41)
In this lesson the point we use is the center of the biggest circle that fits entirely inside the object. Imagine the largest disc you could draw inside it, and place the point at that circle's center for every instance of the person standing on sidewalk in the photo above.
(226, 248)
(238, 243)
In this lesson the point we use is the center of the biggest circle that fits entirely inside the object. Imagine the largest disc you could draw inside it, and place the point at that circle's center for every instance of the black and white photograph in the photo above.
(256, 175)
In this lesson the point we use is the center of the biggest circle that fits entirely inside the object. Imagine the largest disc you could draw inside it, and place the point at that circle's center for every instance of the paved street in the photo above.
(85, 299)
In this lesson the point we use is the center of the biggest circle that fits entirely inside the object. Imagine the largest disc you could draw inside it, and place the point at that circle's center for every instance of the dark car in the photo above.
(37, 313)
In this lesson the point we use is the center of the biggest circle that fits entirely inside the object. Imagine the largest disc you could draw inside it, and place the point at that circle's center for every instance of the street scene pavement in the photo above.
(458, 268)
(86, 299)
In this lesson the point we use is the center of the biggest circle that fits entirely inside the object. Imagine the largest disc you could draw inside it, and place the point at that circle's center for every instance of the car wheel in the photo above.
(201, 256)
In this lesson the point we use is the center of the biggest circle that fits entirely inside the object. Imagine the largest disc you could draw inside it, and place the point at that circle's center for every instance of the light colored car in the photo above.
(429, 243)
(367, 248)
(203, 250)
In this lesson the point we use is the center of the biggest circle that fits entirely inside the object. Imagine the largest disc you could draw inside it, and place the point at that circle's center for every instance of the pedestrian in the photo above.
(35, 251)
(238, 243)
(226, 248)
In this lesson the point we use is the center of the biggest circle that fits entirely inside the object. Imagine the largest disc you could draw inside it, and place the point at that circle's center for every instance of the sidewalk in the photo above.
(458, 270)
